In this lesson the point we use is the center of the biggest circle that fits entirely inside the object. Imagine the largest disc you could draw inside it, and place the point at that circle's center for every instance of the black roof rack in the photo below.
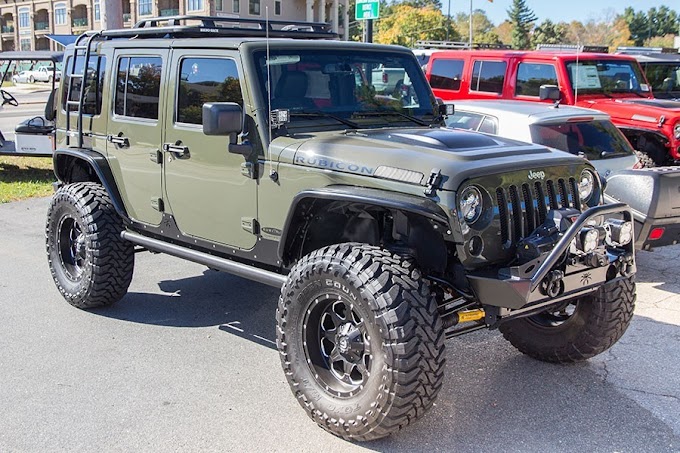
(458, 45)
(216, 26)
(572, 48)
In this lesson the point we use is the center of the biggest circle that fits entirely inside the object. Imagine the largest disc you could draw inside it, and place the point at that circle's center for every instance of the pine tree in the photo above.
(521, 17)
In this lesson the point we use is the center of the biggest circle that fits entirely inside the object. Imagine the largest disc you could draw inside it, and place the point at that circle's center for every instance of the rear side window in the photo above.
(489, 125)
(205, 80)
(94, 82)
(138, 85)
(488, 76)
(593, 139)
(446, 74)
(531, 76)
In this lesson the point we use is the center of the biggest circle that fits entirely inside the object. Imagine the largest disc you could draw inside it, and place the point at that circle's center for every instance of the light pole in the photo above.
(470, 37)
(448, 21)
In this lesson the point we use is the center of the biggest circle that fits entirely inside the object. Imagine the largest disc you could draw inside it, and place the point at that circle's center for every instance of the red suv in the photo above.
(613, 84)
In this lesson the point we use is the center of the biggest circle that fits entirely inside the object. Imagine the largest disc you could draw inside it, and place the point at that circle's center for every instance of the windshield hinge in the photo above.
(433, 182)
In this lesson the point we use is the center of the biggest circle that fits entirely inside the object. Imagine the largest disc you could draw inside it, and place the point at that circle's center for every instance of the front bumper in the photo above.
(555, 276)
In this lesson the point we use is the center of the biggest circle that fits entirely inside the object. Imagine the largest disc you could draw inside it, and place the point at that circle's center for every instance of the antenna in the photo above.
(273, 175)
(578, 71)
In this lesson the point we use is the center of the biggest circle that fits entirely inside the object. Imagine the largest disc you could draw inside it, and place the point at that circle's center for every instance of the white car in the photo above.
(584, 132)
(41, 74)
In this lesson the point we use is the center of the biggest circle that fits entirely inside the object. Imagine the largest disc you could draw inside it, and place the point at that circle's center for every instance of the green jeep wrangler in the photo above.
(278, 161)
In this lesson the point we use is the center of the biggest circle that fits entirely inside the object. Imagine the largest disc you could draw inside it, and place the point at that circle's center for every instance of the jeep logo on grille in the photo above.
(536, 174)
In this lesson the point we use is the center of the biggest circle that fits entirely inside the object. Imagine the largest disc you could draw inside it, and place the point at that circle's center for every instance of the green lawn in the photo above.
(25, 177)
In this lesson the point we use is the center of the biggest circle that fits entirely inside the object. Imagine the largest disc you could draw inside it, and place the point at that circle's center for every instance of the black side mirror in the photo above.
(551, 92)
(222, 118)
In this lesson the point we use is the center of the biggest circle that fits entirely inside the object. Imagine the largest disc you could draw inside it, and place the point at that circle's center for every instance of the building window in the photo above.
(145, 7)
(254, 7)
(236, 6)
(97, 11)
(277, 8)
(25, 22)
(25, 43)
(205, 80)
(60, 14)
(194, 5)
(218, 5)
(138, 86)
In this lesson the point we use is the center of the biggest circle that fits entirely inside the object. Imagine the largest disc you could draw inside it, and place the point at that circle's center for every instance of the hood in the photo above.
(457, 154)
(636, 109)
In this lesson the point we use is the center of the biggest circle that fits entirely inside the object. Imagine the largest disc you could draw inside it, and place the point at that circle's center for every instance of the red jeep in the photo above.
(613, 84)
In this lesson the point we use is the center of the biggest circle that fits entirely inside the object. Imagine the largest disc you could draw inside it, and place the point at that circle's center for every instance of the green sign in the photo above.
(367, 9)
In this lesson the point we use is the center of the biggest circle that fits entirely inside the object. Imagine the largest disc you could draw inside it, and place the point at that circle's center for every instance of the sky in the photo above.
(557, 10)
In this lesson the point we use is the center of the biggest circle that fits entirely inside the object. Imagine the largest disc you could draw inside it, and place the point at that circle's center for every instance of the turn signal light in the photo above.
(656, 233)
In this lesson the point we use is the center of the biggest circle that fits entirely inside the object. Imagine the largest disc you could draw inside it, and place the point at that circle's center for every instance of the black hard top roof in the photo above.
(35, 55)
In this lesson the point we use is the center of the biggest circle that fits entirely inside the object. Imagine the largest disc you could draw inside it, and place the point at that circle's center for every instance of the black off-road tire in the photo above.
(391, 303)
(655, 152)
(597, 322)
(90, 263)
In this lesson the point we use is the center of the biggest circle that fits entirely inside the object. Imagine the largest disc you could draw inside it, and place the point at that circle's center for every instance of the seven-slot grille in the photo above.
(523, 208)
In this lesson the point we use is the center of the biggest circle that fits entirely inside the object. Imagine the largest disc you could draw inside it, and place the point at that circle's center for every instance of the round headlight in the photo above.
(676, 131)
(470, 204)
(586, 185)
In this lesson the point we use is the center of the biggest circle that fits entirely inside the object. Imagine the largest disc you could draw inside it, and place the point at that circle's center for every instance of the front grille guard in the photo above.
(516, 292)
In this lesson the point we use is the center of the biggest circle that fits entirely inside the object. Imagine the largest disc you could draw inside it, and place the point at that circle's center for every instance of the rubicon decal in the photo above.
(332, 164)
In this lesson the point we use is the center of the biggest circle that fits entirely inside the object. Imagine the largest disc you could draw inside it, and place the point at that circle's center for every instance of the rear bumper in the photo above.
(529, 284)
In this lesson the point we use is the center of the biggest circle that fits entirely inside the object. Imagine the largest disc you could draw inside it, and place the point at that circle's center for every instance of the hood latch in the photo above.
(433, 182)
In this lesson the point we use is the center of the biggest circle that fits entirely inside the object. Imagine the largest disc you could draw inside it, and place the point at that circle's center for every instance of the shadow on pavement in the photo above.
(211, 299)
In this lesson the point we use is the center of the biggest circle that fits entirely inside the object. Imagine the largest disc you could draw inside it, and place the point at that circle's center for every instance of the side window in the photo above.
(446, 74)
(531, 76)
(489, 125)
(94, 83)
(205, 80)
(464, 120)
(488, 76)
(138, 85)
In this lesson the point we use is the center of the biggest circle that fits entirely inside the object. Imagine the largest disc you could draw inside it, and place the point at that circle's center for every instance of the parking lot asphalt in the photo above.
(187, 362)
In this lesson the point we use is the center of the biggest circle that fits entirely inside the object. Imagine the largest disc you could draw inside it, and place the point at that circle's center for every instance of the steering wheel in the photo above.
(7, 98)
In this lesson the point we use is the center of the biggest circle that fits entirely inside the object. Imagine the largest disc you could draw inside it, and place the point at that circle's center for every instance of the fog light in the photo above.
(588, 238)
(656, 234)
(619, 232)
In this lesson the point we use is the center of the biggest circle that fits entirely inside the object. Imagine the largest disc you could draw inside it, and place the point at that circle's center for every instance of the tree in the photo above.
(504, 32)
(522, 18)
(549, 33)
(656, 22)
(407, 24)
(660, 41)
(483, 30)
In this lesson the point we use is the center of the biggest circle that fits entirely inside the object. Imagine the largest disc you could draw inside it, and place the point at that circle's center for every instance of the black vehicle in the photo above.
(662, 70)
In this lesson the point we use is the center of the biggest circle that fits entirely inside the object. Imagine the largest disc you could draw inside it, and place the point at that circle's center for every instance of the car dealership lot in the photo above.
(186, 361)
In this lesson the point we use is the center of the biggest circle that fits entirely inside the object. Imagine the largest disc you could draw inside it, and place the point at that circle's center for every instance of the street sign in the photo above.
(367, 9)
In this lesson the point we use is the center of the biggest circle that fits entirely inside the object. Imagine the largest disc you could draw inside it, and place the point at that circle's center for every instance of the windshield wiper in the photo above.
(320, 114)
(393, 113)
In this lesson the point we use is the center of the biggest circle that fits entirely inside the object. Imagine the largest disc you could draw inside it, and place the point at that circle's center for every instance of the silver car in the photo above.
(584, 132)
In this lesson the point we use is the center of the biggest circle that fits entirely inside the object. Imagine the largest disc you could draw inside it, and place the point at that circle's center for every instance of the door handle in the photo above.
(123, 142)
(176, 148)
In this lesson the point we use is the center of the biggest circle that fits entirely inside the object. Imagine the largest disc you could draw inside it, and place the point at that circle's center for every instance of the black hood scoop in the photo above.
(445, 139)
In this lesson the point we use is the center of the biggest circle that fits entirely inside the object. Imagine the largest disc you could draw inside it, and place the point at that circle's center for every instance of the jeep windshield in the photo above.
(594, 140)
(664, 78)
(322, 87)
(606, 77)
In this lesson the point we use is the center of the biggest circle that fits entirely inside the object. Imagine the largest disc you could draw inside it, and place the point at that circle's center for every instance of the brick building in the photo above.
(25, 24)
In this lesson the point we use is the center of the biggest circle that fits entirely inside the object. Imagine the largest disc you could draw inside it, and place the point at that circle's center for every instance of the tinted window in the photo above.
(664, 78)
(595, 139)
(94, 82)
(531, 76)
(464, 120)
(446, 74)
(138, 87)
(488, 76)
(205, 80)
(488, 125)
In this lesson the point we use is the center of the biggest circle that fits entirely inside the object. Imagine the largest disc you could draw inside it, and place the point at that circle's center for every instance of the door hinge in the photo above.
(157, 204)
(249, 170)
(250, 224)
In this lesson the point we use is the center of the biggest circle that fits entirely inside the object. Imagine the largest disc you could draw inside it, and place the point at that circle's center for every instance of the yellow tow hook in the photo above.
(469, 316)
